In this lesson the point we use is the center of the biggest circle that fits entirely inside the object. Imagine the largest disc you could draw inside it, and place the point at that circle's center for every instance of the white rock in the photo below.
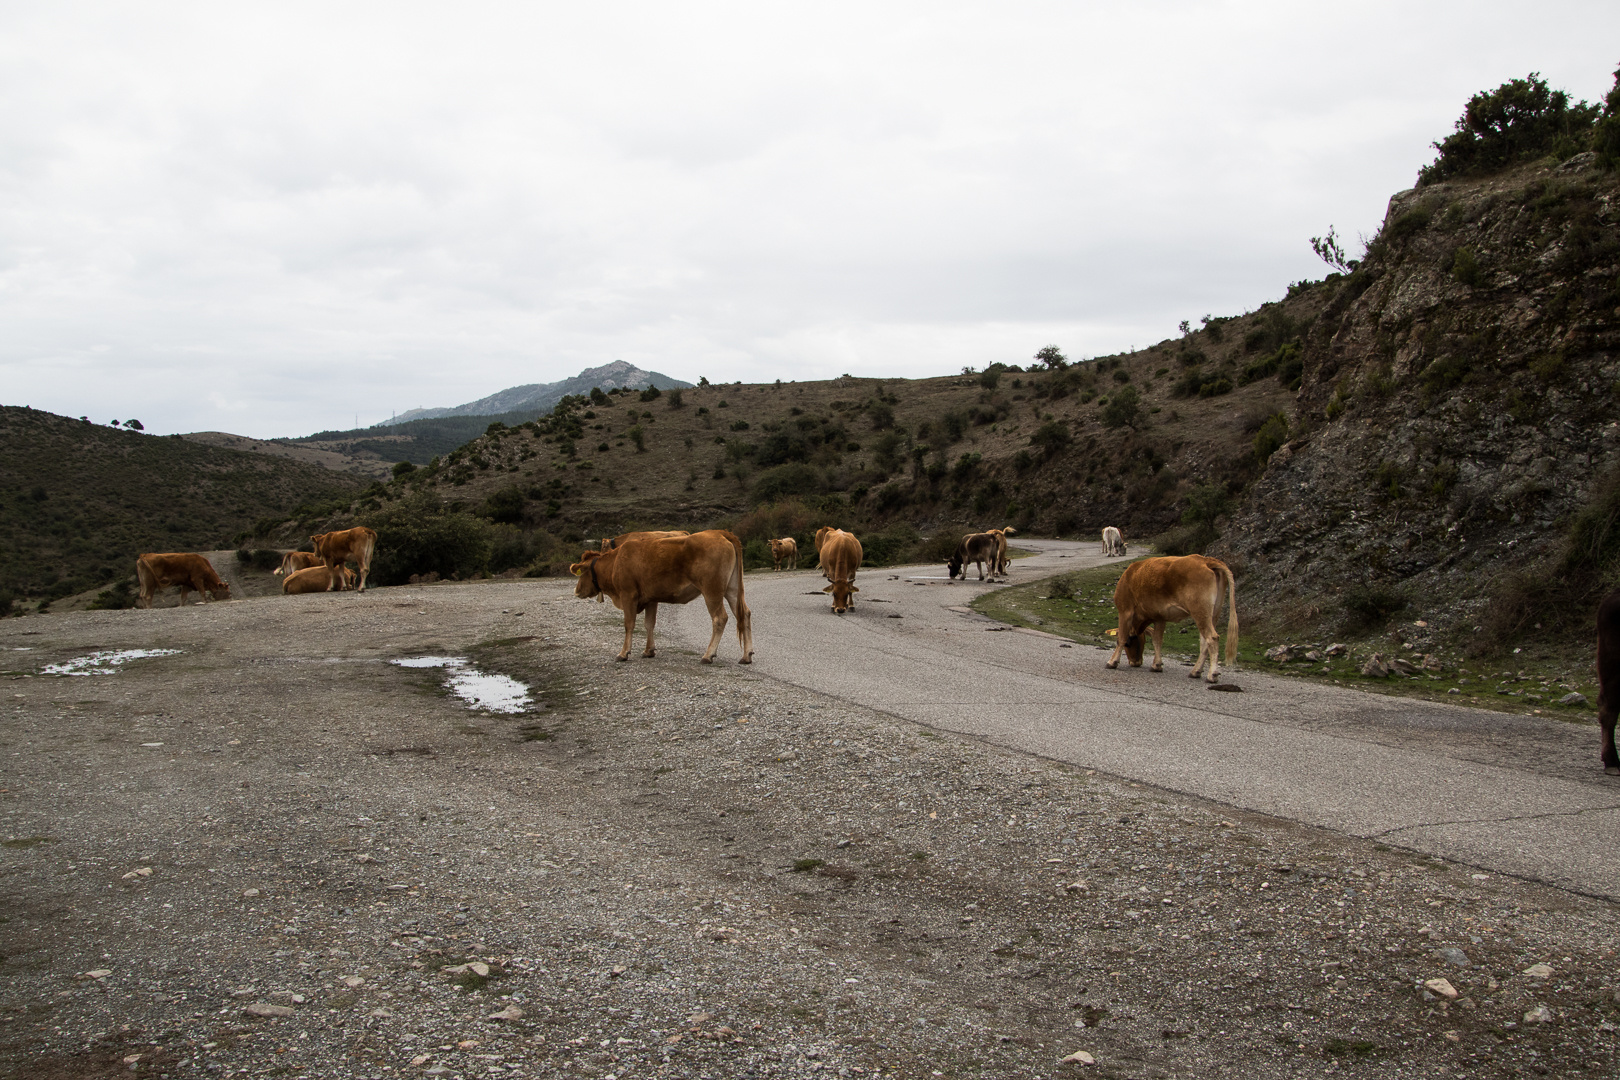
(1539, 1015)
(99, 973)
(1079, 1057)
(419, 1059)
(1572, 699)
(250, 893)
(264, 1008)
(145, 871)
(1442, 987)
(1539, 971)
(511, 1012)
(353, 982)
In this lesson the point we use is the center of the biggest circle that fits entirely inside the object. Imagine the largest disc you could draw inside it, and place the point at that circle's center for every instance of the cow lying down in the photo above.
(319, 579)
(638, 575)
(1153, 592)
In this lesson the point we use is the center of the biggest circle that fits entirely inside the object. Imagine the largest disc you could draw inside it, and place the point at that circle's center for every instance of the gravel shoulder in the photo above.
(272, 852)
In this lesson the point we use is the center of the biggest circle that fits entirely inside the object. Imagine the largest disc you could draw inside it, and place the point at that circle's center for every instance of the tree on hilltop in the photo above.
(1518, 121)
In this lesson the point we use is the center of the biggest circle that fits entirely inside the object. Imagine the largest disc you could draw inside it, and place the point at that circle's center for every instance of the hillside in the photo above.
(79, 501)
(1457, 451)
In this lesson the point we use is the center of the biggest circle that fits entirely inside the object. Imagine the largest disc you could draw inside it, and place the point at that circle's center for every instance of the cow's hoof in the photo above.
(705, 659)
(1193, 674)
(746, 660)
(1157, 669)
(1612, 770)
(624, 658)
(1111, 664)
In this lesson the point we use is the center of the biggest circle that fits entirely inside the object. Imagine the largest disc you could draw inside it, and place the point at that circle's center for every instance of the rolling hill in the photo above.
(78, 501)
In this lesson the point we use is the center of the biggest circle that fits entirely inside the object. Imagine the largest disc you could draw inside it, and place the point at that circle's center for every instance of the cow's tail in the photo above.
(1231, 619)
(736, 562)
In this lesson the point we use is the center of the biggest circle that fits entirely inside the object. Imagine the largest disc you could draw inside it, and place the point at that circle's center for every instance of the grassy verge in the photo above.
(1080, 606)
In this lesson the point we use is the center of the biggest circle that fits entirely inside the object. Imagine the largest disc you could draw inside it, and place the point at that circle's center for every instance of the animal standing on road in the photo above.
(981, 548)
(1608, 665)
(191, 572)
(839, 555)
(785, 549)
(294, 561)
(1001, 548)
(356, 545)
(1153, 592)
(319, 579)
(638, 575)
(1113, 541)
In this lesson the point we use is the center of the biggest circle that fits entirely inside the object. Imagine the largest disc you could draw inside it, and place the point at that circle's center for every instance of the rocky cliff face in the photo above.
(1458, 408)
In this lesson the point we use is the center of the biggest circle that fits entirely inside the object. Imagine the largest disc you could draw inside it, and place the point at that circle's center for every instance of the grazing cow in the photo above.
(1113, 541)
(1153, 592)
(294, 561)
(319, 579)
(1608, 665)
(1001, 548)
(192, 573)
(978, 548)
(610, 544)
(839, 557)
(356, 544)
(638, 575)
(785, 548)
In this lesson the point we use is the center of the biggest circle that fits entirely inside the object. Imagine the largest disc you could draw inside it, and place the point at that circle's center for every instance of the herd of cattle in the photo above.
(640, 570)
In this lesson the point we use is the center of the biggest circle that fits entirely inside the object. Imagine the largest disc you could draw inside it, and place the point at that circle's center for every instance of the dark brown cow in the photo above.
(787, 549)
(1153, 592)
(638, 575)
(294, 561)
(191, 572)
(839, 556)
(981, 548)
(1608, 665)
(318, 579)
(350, 545)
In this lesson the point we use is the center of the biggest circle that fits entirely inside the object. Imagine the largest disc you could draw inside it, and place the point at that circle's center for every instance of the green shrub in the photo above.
(505, 505)
(1124, 410)
(1051, 437)
(652, 393)
(1272, 435)
(403, 468)
(420, 536)
(118, 596)
(965, 467)
(258, 559)
(638, 435)
(1518, 121)
(955, 424)
(1465, 267)
(783, 481)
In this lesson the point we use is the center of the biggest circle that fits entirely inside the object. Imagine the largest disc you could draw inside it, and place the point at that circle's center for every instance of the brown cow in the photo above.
(1001, 548)
(191, 572)
(1608, 665)
(318, 579)
(613, 542)
(357, 544)
(840, 556)
(785, 548)
(638, 575)
(1153, 592)
(294, 561)
(981, 548)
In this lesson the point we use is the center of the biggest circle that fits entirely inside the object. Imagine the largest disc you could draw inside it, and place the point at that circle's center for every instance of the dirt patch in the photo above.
(685, 870)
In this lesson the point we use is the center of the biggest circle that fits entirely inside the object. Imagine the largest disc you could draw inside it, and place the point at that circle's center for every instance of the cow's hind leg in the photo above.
(1157, 630)
(1209, 647)
(745, 628)
(716, 604)
(652, 617)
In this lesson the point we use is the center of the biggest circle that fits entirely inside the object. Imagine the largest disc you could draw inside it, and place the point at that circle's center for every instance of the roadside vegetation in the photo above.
(1080, 606)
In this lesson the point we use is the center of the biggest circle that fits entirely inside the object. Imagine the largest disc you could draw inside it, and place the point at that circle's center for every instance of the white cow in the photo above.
(1113, 541)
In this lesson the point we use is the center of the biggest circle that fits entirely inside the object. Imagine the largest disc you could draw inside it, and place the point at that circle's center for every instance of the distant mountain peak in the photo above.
(541, 397)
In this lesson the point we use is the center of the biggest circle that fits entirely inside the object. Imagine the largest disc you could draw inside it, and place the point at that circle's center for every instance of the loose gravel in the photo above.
(276, 853)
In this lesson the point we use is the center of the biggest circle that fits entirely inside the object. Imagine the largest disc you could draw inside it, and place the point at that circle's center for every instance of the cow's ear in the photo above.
(852, 588)
(827, 589)
(577, 569)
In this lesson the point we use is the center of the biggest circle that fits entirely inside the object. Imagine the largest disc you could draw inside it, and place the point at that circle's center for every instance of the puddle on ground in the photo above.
(103, 663)
(489, 693)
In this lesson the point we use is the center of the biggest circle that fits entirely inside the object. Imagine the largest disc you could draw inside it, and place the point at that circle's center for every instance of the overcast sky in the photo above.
(272, 219)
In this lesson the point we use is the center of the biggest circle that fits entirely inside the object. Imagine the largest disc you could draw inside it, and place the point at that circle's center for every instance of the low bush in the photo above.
(420, 536)
(258, 559)
(1367, 607)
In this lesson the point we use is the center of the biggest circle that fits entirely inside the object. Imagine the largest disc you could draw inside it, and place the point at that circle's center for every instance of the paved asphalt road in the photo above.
(1509, 794)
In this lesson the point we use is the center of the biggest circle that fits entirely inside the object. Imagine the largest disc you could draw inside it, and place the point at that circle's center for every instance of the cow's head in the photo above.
(954, 564)
(1133, 642)
(841, 591)
(318, 539)
(821, 534)
(587, 586)
(222, 591)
